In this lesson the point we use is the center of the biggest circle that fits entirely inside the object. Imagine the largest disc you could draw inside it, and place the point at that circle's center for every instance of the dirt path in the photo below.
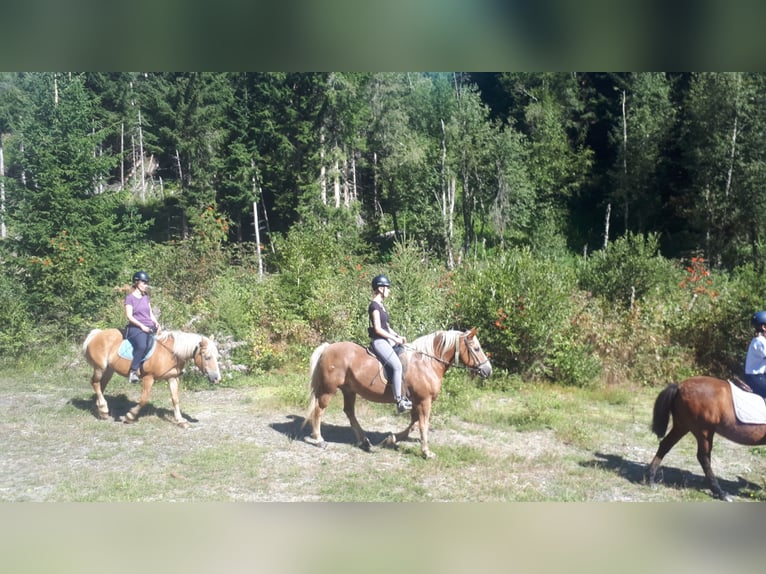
(239, 448)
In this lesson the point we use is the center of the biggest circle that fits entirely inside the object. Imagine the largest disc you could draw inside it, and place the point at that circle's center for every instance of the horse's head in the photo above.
(472, 355)
(206, 359)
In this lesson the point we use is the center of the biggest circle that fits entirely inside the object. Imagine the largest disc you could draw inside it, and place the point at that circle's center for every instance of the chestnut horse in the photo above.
(702, 406)
(352, 369)
(172, 350)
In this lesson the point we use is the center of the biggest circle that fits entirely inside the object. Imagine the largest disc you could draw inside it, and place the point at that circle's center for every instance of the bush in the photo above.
(16, 325)
(525, 306)
(629, 269)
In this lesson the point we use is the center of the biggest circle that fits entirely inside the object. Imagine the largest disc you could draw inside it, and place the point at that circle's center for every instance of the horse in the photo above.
(703, 406)
(354, 370)
(167, 360)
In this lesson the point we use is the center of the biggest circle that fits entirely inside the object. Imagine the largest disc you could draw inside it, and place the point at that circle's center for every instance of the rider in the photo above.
(384, 338)
(141, 322)
(755, 362)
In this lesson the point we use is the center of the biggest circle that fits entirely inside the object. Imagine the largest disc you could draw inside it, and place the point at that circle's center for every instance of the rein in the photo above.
(456, 360)
(180, 363)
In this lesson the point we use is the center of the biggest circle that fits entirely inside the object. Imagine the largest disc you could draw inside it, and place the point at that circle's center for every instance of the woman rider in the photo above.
(384, 338)
(141, 322)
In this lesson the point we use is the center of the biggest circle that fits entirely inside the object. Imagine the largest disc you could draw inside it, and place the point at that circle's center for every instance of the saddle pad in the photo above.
(749, 407)
(126, 349)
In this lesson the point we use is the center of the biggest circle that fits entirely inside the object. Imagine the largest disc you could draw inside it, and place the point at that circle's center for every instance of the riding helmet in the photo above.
(140, 276)
(380, 281)
(758, 319)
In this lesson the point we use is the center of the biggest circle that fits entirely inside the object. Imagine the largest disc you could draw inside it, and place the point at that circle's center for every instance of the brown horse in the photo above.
(702, 406)
(172, 350)
(352, 369)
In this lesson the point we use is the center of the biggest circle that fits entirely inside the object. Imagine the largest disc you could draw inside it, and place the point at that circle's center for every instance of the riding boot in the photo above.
(134, 377)
(403, 404)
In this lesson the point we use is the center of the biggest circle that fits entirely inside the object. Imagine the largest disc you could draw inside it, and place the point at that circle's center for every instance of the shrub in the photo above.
(16, 325)
(524, 306)
(627, 270)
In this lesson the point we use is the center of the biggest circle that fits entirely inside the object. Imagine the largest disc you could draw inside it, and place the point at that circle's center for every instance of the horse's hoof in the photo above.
(102, 416)
(428, 454)
(389, 441)
(366, 445)
(319, 443)
(183, 425)
(726, 497)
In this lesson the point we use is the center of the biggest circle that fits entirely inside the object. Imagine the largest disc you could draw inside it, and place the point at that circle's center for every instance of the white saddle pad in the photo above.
(749, 407)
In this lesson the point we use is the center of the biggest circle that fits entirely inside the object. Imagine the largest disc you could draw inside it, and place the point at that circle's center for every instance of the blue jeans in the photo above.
(757, 383)
(391, 363)
(141, 342)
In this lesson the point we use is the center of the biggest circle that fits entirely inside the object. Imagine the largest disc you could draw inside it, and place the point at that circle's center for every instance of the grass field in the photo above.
(515, 442)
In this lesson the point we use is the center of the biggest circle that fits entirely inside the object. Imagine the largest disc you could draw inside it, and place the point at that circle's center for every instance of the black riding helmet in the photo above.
(380, 281)
(140, 276)
(759, 318)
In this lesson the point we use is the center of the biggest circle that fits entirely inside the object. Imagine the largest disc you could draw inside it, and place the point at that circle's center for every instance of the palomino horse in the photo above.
(702, 406)
(352, 369)
(172, 350)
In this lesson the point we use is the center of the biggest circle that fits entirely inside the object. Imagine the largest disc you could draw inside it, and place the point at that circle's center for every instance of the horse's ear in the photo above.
(472, 333)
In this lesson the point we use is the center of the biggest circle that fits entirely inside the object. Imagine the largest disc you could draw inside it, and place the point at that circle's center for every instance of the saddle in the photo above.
(748, 406)
(126, 349)
(399, 349)
(735, 380)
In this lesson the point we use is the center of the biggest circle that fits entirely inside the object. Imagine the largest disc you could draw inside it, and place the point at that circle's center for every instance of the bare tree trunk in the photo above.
(178, 165)
(263, 205)
(606, 224)
(354, 190)
(625, 157)
(346, 198)
(336, 183)
(3, 230)
(322, 169)
(447, 202)
(257, 236)
(376, 201)
(141, 151)
(122, 156)
(733, 141)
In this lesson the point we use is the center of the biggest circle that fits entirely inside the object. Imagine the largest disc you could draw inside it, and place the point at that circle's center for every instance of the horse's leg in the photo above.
(675, 434)
(98, 381)
(180, 420)
(704, 448)
(405, 434)
(349, 401)
(316, 410)
(146, 386)
(424, 416)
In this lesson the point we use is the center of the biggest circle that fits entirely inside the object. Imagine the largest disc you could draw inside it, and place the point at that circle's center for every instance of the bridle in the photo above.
(456, 359)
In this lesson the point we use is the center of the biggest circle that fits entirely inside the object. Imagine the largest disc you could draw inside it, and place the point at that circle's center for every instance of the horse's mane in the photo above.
(184, 344)
(427, 344)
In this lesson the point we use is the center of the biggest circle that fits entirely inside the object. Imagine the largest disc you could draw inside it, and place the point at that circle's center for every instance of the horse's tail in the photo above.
(315, 356)
(663, 406)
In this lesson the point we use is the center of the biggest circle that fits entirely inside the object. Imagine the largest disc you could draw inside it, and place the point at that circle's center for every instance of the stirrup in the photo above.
(403, 405)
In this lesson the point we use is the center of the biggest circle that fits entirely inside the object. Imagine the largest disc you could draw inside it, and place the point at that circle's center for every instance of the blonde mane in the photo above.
(184, 344)
(426, 344)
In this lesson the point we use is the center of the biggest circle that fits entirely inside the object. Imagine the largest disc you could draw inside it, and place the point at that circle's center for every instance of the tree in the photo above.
(724, 154)
(641, 135)
(71, 243)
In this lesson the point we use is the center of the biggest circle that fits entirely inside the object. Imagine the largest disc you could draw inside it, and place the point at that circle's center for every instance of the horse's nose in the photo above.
(485, 371)
(214, 377)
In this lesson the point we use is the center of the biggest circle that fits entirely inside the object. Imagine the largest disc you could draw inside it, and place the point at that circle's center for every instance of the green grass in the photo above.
(506, 442)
